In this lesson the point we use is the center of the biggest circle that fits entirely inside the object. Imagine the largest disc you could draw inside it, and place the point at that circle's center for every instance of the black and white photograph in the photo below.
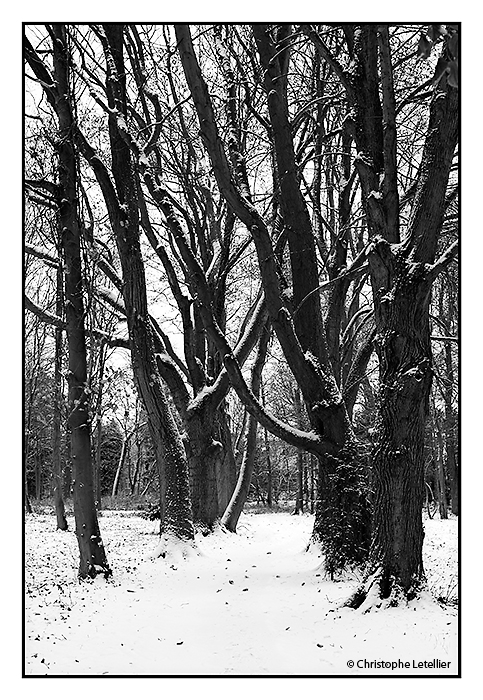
(241, 349)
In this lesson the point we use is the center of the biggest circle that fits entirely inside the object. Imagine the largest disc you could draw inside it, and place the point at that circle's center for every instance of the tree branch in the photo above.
(443, 261)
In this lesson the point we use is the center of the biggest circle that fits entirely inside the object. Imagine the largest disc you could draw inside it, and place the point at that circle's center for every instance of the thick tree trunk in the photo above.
(401, 294)
(92, 555)
(401, 278)
(211, 464)
(203, 452)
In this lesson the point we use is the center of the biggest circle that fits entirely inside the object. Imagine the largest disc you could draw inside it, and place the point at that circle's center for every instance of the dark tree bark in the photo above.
(93, 558)
(302, 337)
(450, 427)
(28, 505)
(401, 277)
(208, 443)
(299, 501)
(57, 89)
(57, 410)
(441, 478)
(125, 219)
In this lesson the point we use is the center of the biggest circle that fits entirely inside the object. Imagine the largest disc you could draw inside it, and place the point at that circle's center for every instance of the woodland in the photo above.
(242, 287)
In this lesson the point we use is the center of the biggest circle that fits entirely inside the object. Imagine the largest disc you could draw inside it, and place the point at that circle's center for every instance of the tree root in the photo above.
(379, 592)
(175, 549)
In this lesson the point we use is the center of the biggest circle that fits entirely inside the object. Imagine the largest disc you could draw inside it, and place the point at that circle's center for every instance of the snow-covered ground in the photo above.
(254, 603)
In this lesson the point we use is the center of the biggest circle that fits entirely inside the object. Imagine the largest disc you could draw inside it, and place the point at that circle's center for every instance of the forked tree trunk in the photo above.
(302, 336)
(403, 269)
(124, 214)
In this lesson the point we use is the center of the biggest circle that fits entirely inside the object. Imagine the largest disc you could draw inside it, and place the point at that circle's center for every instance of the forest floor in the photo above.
(254, 603)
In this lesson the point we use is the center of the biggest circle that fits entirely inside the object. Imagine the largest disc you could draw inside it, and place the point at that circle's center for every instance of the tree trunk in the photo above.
(226, 475)
(401, 294)
(302, 335)
(57, 413)
(38, 470)
(28, 505)
(453, 473)
(125, 219)
(299, 501)
(402, 275)
(235, 506)
(268, 460)
(92, 555)
(449, 434)
(269, 469)
(441, 479)
(98, 463)
(313, 489)
(203, 452)
(120, 465)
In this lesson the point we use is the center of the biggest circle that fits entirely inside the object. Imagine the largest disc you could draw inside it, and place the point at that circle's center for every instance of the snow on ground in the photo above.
(254, 603)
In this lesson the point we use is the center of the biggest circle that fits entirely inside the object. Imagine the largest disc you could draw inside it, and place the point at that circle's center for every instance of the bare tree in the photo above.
(403, 267)
(57, 89)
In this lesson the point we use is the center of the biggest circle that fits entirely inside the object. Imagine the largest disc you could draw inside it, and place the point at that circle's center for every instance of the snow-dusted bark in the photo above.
(57, 90)
(124, 210)
(301, 335)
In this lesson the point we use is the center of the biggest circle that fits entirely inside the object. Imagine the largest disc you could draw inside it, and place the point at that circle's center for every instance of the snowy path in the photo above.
(251, 604)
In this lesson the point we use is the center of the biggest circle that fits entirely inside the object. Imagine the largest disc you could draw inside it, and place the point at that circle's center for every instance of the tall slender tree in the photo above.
(58, 90)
